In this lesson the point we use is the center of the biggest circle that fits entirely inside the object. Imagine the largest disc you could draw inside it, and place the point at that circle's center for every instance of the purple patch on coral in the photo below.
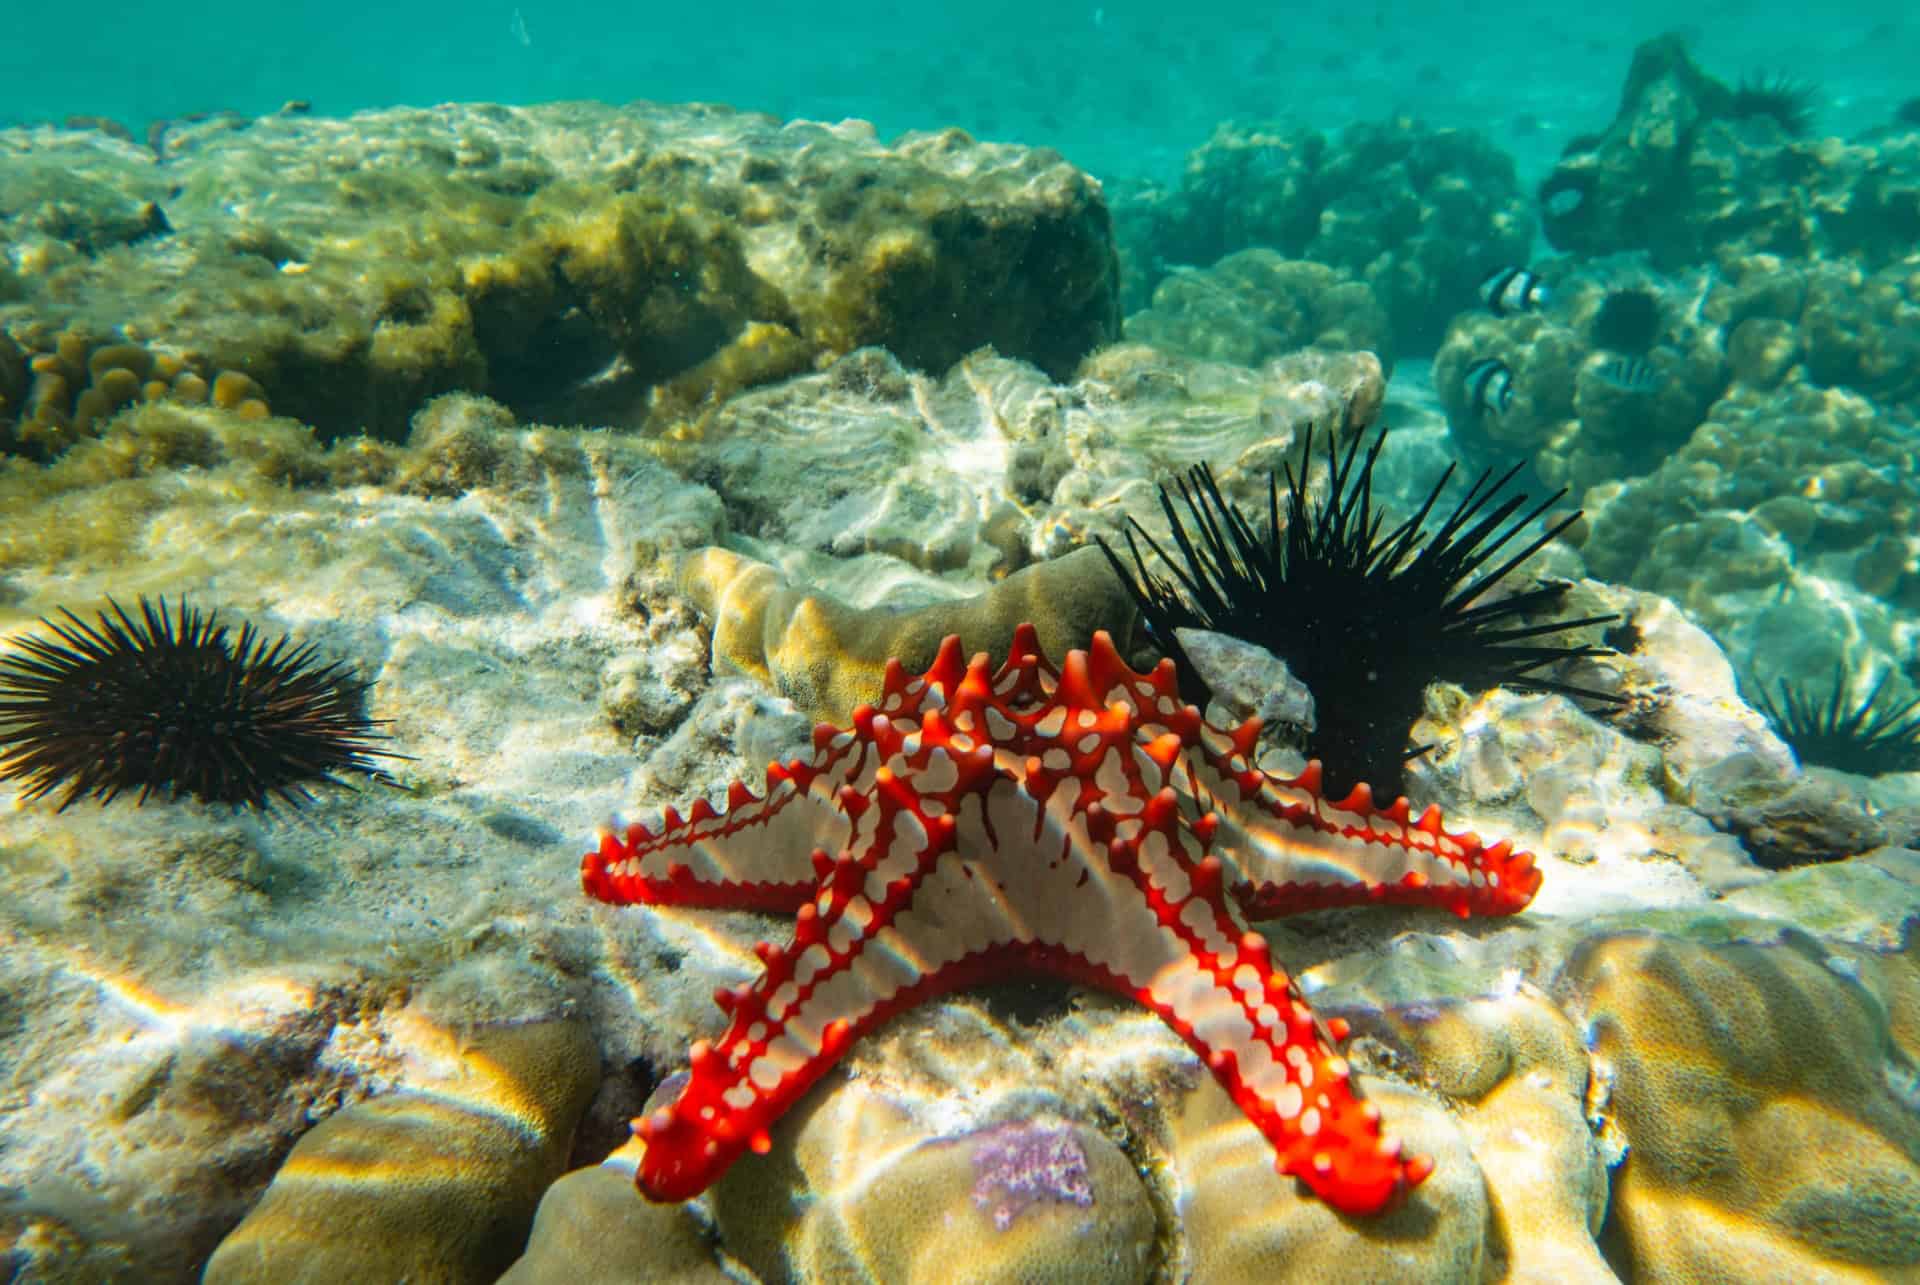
(1021, 1164)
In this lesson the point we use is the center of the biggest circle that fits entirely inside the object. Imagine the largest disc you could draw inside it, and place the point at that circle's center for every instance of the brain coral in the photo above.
(1757, 1085)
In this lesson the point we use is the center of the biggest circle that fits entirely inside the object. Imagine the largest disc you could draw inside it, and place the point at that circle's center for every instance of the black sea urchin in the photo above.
(1628, 321)
(168, 702)
(1365, 619)
(1787, 101)
(1868, 738)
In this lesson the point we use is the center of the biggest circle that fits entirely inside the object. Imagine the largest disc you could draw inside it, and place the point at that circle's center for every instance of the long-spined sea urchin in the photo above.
(1365, 618)
(1868, 737)
(168, 702)
(1788, 102)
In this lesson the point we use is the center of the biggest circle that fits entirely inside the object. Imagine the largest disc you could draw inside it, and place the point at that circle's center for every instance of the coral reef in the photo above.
(51, 399)
(1415, 213)
(1254, 305)
(355, 268)
(437, 1182)
(503, 583)
(1574, 422)
(1759, 1085)
(1690, 169)
(884, 405)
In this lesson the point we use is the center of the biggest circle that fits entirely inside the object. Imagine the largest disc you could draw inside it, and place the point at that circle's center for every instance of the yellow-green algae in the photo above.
(567, 257)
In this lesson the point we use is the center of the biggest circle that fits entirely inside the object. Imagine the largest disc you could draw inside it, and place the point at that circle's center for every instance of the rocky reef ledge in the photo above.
(574, 261)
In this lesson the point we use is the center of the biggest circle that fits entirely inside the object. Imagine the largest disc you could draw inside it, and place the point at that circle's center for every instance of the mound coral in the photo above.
(51, 399)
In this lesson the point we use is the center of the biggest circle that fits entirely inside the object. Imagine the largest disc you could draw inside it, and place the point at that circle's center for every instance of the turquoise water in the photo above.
(1123, 87)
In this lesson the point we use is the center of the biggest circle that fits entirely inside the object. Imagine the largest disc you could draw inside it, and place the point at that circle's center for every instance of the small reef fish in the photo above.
(1629, 375)
(1489, 386)
(1509, 291)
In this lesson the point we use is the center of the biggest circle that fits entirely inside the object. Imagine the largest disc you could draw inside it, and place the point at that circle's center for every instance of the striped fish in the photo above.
(1489, 386)
(1510, 291)
(1629, 374)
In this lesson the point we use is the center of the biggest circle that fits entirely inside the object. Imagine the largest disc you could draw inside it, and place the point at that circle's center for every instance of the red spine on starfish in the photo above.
(1078, 821)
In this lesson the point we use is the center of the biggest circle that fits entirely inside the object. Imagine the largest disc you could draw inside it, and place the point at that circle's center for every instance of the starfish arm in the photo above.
(908, 919)
(1191, 960)
(1296, 850)
(892, 921)
(750, 854)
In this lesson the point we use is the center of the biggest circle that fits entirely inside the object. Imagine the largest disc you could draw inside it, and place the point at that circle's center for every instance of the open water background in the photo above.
(1122, 87)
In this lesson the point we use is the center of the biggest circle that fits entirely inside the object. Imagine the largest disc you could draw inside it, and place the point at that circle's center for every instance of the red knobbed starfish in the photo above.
(1081, 822)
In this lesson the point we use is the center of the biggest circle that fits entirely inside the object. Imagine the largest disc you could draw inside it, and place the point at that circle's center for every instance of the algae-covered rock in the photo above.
(438, 1182)
(569, 260)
